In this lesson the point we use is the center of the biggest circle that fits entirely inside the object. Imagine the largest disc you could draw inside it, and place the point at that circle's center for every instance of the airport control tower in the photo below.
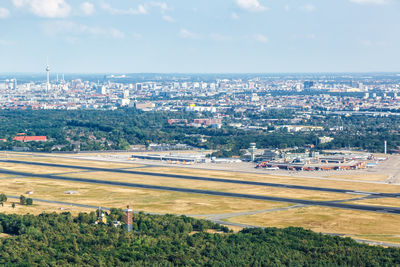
(252, 149)
(128, 219)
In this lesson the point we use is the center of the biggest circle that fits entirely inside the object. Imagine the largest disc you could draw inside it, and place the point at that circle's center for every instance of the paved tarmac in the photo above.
(199, 178)
(380, 209)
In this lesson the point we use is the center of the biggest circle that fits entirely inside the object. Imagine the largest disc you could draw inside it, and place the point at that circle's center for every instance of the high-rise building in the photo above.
(212, 86)
(128, 219)
(126, 94)
(308, 84)
(103, 90)
(15, 84)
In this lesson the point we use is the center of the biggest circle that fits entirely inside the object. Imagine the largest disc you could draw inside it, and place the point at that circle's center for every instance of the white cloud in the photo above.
(183, 33)
(376, 2)
(234, 16)
(261, 38)
(251, 5)
(140, 10)
(4, 13)
(45, 8)
(72, 29)
(308, 8)
(163, 8)
(87, 8)
(167, 18)
(162, 5)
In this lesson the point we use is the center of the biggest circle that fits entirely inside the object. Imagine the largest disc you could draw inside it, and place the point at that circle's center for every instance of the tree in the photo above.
(3, 198)
(29, 201)
(22, 200)
(13, 205)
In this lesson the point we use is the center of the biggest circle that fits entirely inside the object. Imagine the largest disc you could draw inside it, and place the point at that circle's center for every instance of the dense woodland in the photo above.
(62, 240)
(118, 129)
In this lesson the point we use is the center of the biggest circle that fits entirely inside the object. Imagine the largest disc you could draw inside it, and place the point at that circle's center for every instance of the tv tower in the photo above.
(48, 75)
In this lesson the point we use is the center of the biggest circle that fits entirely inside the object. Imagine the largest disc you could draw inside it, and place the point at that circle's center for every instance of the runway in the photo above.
(332, 204)
(199, 178)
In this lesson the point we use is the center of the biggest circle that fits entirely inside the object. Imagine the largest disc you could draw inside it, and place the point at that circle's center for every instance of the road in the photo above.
(220, 218)
(199, 178)
(381, 209)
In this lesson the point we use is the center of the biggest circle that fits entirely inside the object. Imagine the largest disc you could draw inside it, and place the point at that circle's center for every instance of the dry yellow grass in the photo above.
(390, 202)
(358, 224)
(69, 161)
(278, 179)
(142, 200)
(38, 208)
(215, 186)
(227, 174)
(34, 169)
(361, 177)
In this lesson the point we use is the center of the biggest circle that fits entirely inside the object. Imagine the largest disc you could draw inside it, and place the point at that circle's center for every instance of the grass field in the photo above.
(68, 161)
(391, 202)
(384, 188)
(360, 176)
(34, 169)
(38, 208)
(142, 200)
(216, 186)
(358, 224)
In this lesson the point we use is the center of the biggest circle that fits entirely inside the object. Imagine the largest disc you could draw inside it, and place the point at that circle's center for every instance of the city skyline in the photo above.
(232, 36)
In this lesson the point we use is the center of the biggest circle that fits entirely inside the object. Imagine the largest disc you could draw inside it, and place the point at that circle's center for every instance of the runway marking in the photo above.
(199, 178)
(213, 193)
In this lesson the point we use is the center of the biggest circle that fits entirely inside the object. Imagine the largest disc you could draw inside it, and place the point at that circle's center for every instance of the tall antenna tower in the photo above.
(48, 75)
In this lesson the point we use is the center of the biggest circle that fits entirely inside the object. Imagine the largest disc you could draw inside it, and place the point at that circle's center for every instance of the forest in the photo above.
(88, 130)
(51, 239)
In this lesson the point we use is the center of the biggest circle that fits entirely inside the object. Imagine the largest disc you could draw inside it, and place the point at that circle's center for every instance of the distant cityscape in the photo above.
(209, 93)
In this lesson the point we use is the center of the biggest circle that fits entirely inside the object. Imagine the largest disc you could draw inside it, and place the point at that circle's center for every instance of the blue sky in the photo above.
(204, 36)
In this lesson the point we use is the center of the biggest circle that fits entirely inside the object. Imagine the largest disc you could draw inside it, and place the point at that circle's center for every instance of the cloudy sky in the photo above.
(205, 36)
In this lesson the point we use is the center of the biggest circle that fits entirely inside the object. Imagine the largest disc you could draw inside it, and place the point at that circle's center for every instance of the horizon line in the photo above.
(211, 73)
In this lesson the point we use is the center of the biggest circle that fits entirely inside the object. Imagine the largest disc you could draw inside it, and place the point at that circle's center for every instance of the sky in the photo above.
(206, 36)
